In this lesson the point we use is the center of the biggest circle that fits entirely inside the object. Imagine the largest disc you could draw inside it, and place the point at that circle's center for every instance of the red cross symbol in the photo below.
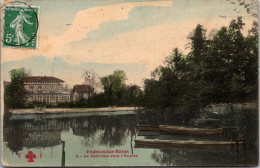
(30, 156)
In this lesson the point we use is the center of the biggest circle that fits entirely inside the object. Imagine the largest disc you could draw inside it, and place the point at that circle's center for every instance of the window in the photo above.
(52, 88)
(39, 87)
(30, 98)
(31, 88)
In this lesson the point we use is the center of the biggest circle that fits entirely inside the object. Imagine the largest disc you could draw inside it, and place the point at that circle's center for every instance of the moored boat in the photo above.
(149, 128)
(149, 133)
(190, 131)
(174, 143)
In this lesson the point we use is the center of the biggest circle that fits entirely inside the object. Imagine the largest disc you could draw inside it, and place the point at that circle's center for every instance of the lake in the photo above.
(102, 140)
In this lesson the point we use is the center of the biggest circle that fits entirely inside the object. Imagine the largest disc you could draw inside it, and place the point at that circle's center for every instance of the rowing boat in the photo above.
(190, 131)
(174, 143)
(149, 128)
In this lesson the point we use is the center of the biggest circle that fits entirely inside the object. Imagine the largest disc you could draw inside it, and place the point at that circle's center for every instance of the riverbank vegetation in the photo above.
(15, 92)
(221, 68)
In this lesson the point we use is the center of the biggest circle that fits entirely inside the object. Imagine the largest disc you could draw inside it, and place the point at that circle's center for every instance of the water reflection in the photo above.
(111, 132)
(33, 134)
(196, 157)
(104, 130)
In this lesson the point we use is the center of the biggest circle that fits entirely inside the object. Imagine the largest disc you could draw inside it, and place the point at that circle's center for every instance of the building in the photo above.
(47, 89)
(82, 92)
(66, 96)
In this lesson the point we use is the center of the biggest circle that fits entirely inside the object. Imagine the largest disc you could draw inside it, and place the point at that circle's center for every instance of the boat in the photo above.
(149, 133)
(190, 131)
(174, 143)
(148, 128)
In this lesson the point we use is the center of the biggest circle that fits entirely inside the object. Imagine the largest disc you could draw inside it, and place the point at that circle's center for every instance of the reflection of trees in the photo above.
(14, 137)
(105, 130)
(163, 159)
(99, 130)
(169, 157)
(31, 134)
(117, 129)
(85, 127)
(150, 117)
(198, 157)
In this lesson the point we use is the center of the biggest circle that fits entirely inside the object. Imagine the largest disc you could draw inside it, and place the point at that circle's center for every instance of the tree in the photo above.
(220, 69)
(15, 92)
(250, 63)
(135, 95)
(113, 84)
(230, 65)
(90, 78)
(169, 90)
(198, 44)
(153, 97)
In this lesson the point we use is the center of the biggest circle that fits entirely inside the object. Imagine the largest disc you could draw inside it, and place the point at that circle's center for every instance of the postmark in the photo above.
(20, 25)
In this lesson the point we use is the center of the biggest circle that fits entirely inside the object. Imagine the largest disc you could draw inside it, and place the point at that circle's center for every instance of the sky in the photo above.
(107, 35)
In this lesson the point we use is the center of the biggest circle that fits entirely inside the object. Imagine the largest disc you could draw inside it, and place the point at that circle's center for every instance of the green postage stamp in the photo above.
(109, 83)
(20, 26)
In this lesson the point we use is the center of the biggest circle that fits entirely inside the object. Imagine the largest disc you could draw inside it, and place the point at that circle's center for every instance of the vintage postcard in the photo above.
(129, 83)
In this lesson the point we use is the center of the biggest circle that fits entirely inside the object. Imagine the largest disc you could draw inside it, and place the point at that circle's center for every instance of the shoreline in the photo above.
(71, 110)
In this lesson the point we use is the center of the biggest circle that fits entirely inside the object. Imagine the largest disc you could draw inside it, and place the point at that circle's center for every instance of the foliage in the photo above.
(116, 93)
(250, 6)
(91, 79)
(15, 93)
(220, 69)
(128, 95)
(114, 82)
(115, 89)
(231, 65)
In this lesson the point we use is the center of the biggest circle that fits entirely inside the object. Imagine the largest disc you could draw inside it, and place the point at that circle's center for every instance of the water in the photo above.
(66, 140)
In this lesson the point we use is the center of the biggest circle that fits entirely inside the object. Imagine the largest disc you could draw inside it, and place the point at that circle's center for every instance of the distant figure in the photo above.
(17, 24)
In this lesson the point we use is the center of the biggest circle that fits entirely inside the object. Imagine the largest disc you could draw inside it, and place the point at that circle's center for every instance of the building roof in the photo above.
(42, 79)
(83, 88)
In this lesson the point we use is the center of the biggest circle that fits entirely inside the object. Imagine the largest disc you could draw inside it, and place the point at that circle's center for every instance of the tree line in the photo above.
(220, 68)
(116, 93)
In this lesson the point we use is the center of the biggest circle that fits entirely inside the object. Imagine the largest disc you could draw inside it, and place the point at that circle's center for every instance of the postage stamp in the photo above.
(20, 26)
(109, 83)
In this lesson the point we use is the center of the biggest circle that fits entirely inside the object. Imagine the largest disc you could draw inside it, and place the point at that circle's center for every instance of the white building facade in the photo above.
(45, 89)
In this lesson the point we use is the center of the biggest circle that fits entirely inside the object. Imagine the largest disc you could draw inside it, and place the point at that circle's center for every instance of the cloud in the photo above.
(148, 46)
(88, 20)
(84, 22)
